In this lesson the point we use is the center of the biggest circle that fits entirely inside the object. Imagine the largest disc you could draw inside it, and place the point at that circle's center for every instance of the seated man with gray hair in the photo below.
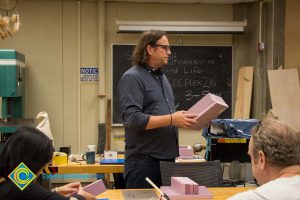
(274, 149)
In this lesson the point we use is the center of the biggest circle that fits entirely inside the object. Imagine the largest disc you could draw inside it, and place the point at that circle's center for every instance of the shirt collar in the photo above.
(153, 71)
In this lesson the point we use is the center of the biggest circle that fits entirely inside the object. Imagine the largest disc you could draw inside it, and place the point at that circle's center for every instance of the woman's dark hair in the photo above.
(27, 145)
(140, 54)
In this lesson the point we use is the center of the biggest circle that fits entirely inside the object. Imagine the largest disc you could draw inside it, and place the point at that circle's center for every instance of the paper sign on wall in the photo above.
(89, 74)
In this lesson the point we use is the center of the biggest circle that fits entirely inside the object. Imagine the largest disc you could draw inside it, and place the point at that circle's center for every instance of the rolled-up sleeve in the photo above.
(131, 98)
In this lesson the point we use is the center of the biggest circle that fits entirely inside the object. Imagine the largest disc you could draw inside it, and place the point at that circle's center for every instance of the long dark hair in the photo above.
(27, 145)
(140, 54)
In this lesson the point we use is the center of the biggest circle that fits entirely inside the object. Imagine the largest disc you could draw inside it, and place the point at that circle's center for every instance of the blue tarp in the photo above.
(232, 128)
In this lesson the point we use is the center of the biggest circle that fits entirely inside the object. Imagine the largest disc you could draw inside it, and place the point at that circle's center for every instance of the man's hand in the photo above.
(179, 119)
(184, 120)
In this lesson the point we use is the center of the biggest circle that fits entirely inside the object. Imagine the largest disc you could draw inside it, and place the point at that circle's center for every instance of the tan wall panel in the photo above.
(89, 58)
(70, 75)
(48, 37)
(292, 32)
(40, 39)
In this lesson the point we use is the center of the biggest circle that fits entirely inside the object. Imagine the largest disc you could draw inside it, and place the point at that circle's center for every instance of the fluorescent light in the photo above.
(182, 26)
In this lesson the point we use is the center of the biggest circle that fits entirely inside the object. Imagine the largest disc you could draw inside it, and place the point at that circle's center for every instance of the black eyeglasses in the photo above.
(164, 47)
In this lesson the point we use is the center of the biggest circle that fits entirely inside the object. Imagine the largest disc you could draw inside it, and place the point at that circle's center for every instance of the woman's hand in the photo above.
(86, 195)
(68, 189)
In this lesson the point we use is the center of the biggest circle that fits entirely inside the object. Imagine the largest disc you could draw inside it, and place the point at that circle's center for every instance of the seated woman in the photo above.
(35, 150)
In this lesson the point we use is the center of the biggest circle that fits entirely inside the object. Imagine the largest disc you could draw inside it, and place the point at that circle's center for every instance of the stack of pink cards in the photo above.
(185, 188)
(207, 109)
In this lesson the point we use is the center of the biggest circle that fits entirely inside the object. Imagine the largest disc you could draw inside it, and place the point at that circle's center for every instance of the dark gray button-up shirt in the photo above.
(144, 92)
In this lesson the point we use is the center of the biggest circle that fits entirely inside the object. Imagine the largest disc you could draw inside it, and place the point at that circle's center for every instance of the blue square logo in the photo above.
(22, 176)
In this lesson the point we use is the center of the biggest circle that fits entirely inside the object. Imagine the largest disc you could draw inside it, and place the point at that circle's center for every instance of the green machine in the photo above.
(12, 87)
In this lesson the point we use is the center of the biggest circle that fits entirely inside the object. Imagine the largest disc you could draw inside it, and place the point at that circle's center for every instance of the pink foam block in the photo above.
(175, 195)
(187, 185)
(184, 185)
(95, 188)
(204, 193)
(196, 188)
(207, 109)
(178, 184)
(186, 152)
(193, 185)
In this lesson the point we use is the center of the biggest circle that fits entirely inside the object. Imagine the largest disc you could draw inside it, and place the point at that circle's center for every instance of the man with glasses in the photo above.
(148, 112)
(274, 149)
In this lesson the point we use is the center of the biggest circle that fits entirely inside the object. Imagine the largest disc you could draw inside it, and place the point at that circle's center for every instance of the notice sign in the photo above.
(89, 74)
